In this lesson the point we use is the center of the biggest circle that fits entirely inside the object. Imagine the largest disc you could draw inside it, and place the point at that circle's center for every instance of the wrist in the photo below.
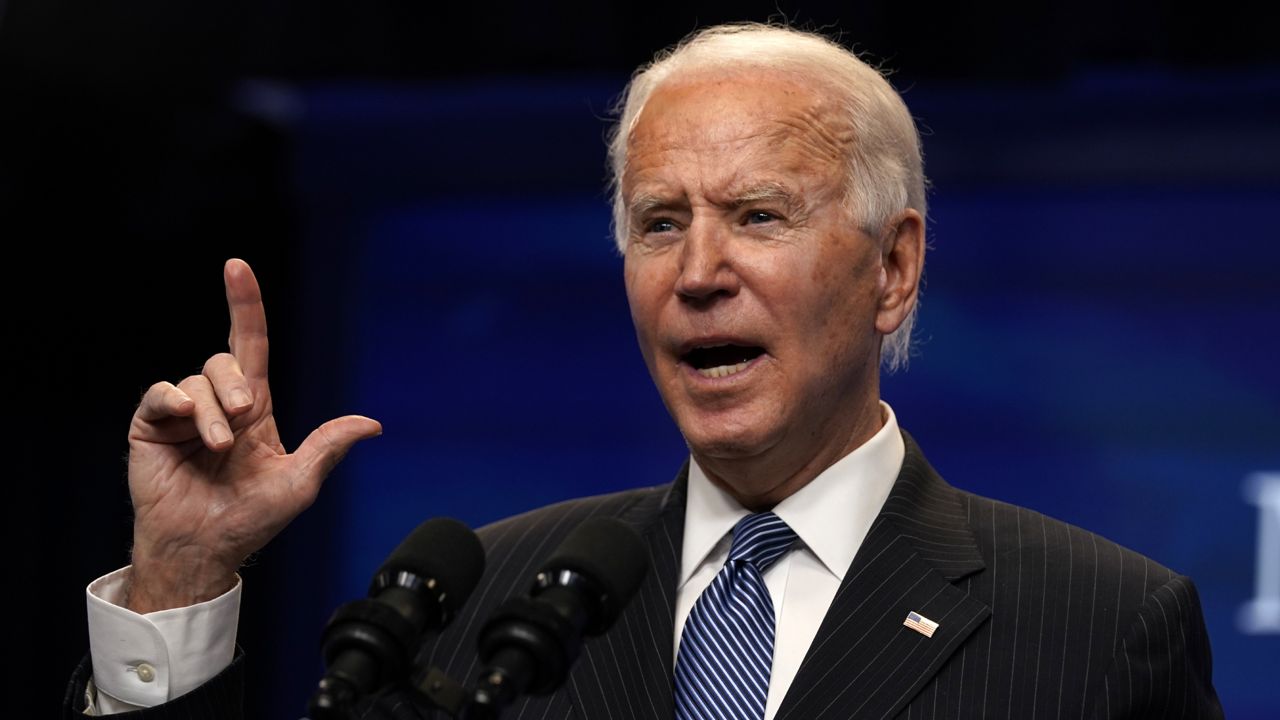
(162, 583)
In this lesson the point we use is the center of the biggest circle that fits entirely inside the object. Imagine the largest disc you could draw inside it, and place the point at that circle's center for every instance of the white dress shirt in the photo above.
(831, 516)
(145, 660)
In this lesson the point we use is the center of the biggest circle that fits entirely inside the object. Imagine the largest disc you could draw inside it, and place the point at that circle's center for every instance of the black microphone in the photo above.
(369, 644)
(529, 643)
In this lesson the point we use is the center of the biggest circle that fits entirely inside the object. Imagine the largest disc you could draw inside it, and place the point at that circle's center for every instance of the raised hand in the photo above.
(209, 479)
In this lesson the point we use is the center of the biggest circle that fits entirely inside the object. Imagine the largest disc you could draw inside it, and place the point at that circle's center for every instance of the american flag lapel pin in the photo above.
(920, 624)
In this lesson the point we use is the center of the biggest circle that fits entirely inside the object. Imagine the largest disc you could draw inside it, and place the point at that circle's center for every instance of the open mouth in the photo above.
(721, 360)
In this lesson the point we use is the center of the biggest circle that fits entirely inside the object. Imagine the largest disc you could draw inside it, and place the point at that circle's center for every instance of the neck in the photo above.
(762, 481)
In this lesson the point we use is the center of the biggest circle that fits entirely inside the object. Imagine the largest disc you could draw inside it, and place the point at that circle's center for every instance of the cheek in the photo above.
(633, 283)
(845, 287)
(644, 294)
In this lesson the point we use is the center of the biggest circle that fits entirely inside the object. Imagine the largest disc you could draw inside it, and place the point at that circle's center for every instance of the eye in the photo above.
(758, 217)
(661, 225)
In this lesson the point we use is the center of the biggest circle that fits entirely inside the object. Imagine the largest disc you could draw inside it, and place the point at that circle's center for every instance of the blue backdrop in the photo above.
(1098, 334)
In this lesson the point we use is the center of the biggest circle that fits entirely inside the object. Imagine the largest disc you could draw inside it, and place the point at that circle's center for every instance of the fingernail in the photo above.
(240, 398)
(220, 433)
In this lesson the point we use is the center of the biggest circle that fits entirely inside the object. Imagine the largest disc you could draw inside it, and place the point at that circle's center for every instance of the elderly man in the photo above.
(769, 203)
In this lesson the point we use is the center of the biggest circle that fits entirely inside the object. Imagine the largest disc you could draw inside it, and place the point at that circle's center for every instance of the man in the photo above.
(769, 204)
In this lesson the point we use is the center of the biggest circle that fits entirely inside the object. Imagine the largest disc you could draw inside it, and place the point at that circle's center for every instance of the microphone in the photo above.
(529, 643)
(370, 643)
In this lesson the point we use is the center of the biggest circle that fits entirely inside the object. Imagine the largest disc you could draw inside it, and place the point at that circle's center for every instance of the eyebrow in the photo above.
(769, 191)
(644, 203)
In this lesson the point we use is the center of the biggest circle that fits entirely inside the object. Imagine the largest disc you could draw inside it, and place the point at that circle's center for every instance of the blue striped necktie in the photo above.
(726, 649)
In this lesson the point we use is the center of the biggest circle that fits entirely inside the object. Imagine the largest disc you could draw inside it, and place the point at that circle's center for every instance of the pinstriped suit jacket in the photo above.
(1037, 619)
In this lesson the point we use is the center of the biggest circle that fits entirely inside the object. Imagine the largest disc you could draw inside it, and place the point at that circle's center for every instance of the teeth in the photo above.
(723, 370)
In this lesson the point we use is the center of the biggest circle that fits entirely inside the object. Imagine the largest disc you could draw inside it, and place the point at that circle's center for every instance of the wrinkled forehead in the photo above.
(710, 99)
(719, 111)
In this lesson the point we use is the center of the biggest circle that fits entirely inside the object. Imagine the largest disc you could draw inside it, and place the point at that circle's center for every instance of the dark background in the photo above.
(418, 187)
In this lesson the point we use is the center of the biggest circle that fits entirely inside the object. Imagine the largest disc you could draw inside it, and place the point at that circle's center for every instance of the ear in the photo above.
(901, 265)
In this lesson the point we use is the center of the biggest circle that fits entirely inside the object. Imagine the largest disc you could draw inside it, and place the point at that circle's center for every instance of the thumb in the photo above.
(329, 443)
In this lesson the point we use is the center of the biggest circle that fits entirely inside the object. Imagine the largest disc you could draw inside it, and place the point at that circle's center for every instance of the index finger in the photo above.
(248, 339)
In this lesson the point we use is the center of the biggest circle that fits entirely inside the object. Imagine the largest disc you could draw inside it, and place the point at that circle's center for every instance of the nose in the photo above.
(706, 264)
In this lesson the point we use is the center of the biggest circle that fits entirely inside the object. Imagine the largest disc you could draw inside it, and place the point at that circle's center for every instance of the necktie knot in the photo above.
(760, 539)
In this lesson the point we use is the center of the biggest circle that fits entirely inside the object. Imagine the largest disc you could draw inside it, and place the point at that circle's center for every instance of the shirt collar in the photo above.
(831, 515)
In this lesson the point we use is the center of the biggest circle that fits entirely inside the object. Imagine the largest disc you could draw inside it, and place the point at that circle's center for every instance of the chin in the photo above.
(734, 426)
(709, 439)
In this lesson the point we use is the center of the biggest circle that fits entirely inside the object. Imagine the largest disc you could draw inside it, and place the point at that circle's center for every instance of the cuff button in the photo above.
(146, 673)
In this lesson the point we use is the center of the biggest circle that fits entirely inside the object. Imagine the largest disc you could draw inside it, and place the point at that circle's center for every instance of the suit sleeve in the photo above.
(221, 698)
(1162, 666)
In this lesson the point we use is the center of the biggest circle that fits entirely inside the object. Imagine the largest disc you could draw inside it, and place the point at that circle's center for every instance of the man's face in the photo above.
(754, 295)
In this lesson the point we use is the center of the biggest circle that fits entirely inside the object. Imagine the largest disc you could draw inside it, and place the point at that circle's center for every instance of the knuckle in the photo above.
(325, 435)
(193, 382)
(218, 362)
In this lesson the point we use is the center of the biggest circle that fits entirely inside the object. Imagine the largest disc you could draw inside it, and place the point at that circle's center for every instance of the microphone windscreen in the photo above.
(609, 552)
(443, 549)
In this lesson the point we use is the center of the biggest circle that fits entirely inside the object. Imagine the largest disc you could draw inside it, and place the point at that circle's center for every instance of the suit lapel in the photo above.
(864, 662)
(626, 673)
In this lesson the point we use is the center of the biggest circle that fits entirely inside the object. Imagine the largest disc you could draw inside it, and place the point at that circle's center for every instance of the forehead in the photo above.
(728, 124)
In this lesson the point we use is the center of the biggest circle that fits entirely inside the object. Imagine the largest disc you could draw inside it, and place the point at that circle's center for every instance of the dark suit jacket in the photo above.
(1037, 619)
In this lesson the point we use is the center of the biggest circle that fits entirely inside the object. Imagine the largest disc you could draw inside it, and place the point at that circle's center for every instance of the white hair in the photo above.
(885, 171)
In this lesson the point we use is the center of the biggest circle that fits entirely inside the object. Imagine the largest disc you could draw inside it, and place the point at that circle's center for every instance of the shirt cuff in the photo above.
(147, 660)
